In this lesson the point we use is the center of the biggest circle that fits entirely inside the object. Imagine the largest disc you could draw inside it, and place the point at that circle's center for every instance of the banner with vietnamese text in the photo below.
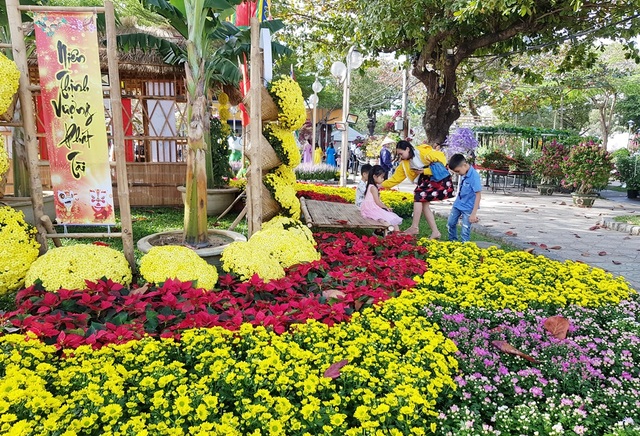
(73, 114)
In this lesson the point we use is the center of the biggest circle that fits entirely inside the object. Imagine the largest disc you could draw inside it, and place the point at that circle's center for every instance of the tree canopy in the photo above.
(438, 37)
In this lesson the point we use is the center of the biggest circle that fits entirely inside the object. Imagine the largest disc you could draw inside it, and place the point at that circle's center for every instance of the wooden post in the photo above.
(254, 177)
(28, 117)
(118, 135)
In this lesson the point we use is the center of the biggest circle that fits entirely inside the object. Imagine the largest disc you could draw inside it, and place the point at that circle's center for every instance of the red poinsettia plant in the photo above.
(354, 272)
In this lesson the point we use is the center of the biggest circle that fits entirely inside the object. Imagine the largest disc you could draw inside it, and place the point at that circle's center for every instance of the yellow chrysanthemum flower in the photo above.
(177, 262)
(68, 267)
(19, 249)
(9, 84)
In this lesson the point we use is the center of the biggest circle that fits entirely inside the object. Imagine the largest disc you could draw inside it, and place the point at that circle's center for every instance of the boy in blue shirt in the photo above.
(467, 202)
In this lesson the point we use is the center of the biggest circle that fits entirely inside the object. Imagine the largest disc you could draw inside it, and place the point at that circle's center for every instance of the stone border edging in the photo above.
(619, 227)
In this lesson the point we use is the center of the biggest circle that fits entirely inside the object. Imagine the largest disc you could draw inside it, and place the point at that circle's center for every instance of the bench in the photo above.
(330, 215)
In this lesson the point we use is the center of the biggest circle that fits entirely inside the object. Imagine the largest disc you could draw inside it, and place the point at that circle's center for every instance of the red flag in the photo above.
(245, 85)
(244, 12)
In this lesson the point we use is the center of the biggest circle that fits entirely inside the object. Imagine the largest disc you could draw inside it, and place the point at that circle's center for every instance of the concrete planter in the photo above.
(220, 239)
(546, 189)
(26, 206)
(584, 200)
(218, 200)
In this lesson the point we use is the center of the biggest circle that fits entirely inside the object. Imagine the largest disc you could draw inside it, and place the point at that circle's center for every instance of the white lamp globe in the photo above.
(317, 86)
(313, 100)
(338, 70)
(356, 59)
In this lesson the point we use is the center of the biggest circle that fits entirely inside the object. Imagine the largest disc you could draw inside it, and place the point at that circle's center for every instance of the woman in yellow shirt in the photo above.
(414, 165)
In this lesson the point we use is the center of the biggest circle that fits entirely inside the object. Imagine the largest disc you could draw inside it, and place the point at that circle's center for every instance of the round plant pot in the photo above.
(583, 200)
(546, 189)
(218, 200)
(25, 204)
(632, 193)
(219, 239)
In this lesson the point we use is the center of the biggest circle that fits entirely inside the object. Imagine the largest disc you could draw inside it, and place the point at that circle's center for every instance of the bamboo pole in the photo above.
(118, 136)
(28, 117)
(29, 8)
(254, 181)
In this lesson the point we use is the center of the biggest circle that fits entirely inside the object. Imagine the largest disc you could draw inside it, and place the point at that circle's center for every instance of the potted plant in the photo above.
(629, 173)
(495, 160)
(587, 169)
(548, 167)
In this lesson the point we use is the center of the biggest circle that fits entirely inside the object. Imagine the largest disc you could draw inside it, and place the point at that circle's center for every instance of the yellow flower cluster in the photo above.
(287, 95)
(223, 110)
(4, 158)
(9, 84)
(467, 276)
(177, 262)
(68, 267)
(284, 144)
(248, 382)
(280, 182)
(238, 183)
(282, 243)
(19, 249)
(389, 197)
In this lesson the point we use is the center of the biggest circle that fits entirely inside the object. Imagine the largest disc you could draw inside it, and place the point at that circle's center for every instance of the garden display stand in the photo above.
(330, 215)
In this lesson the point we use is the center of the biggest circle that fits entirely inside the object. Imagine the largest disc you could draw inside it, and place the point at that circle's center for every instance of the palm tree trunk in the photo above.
(195, 206)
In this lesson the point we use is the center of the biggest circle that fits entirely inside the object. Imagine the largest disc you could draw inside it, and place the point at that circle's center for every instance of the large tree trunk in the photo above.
(195, 206)
(441, 105)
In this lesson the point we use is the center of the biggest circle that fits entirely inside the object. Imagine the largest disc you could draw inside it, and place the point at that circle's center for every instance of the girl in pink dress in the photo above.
(372, 207)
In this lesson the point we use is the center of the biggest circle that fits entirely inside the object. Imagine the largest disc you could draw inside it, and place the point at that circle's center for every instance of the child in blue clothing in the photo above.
(467, 202)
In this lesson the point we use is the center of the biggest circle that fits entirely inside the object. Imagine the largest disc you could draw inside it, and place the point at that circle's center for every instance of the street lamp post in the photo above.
(313, 99)
(342, 72)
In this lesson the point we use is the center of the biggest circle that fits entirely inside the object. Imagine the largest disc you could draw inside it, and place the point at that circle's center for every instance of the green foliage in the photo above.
(525, 132)
(629, 170)
(219, 155)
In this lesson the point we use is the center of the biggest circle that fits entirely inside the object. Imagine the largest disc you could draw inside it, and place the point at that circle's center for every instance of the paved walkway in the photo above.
(553, 227)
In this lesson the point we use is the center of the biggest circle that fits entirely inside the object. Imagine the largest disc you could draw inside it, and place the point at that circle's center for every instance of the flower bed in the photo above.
(486, 342)
(353, 273)
(400, 202)
(586, 384)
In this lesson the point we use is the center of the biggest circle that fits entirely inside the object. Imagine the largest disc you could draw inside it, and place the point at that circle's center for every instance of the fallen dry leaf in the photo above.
(562, 203)
(529, 250)
(334, 370)
(577, 236)
(555, 247)
(596, 227)
(543, 246)
(615, 262)
(510, 233)
(141, 290)
(602, 253)
(585, 254)
(557, 326)
(505, 347)
(527, 210)
(333, 293)
(532, 243)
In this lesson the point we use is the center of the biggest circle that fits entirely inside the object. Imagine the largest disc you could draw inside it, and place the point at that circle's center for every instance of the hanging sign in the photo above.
(73, 114)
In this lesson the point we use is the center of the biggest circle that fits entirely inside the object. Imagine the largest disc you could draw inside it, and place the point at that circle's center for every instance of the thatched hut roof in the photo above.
(135, 63)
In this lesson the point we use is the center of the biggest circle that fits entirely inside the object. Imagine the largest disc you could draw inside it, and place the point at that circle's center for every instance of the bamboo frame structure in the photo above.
(29, 124)
(254, 177)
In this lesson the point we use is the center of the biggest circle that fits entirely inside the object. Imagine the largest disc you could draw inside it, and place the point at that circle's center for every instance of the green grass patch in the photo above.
(629, 219)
